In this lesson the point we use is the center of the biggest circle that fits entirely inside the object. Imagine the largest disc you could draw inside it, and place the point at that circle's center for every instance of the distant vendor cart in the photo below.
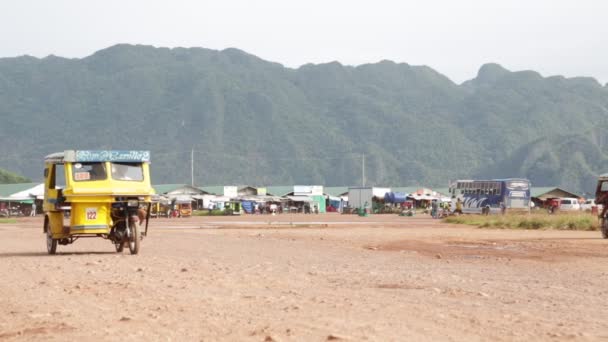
(183, 206)
(161, 207)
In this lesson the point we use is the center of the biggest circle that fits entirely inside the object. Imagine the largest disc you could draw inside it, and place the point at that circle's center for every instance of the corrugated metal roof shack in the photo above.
(361, 197)
(315, 192)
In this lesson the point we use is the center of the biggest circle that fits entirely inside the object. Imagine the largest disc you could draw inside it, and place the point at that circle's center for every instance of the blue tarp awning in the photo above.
(395, 197)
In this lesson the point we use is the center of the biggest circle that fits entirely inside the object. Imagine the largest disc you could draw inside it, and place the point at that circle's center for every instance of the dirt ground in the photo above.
(306, 278)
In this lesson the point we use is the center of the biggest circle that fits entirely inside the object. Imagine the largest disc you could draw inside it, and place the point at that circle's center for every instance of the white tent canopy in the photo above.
(422, 197)
(37, 192)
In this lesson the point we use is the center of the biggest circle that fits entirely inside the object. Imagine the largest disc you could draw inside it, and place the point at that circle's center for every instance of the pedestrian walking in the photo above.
(458, 207)
(434, 209)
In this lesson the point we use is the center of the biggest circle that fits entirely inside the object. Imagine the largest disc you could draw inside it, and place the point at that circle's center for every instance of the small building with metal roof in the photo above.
(544, 193)
(541, 195)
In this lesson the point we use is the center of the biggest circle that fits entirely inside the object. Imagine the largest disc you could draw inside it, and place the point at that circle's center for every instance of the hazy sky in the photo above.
(454, 37)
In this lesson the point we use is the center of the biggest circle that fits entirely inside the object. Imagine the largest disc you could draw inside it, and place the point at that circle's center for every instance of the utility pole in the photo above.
(192, 166)
(362, 169)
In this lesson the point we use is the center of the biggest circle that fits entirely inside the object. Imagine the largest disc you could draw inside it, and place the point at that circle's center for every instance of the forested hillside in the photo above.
(7, 177)
(250, 121)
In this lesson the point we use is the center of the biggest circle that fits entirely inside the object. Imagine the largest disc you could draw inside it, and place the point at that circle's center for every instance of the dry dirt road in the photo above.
(306, 278)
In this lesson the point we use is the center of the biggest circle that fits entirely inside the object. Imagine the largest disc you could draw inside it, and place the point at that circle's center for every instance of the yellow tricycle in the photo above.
(97, 193)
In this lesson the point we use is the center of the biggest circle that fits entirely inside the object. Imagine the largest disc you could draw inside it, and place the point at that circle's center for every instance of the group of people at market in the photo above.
(443, 209)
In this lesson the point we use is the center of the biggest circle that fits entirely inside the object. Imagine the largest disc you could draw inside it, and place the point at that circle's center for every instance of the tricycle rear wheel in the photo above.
(604, 228)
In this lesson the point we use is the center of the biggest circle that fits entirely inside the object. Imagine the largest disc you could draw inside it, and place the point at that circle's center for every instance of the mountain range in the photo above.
(234, 118)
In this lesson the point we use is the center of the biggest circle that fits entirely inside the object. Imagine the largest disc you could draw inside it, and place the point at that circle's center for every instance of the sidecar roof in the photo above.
(72, 156)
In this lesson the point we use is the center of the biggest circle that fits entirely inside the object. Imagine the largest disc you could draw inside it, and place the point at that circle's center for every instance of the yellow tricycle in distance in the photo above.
(97, 193)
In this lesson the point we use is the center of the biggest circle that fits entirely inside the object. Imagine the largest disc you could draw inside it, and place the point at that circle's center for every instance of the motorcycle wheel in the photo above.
(134, 238)
(51, 244)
